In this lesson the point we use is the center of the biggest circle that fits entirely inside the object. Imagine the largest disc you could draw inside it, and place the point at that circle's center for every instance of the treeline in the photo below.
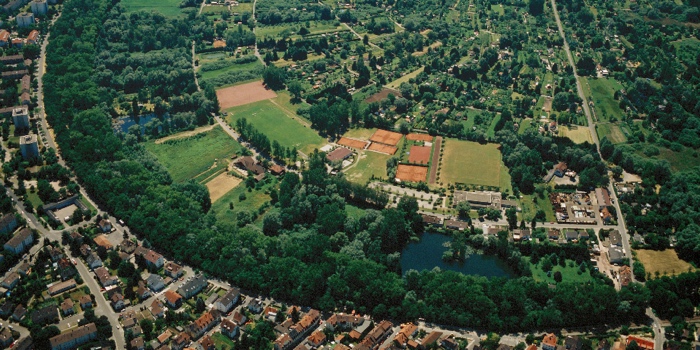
(675, 296)
(262, 143)
(286, 11)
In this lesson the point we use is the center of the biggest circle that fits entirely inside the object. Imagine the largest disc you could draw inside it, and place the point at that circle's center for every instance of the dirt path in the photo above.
(435, 160)
(186, 133)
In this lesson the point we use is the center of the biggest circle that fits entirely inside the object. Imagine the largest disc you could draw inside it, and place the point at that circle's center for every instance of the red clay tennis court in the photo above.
(419, 155)
(411, 173)
(352, 143)
(386, 137)
(378, 147)
(420, 137)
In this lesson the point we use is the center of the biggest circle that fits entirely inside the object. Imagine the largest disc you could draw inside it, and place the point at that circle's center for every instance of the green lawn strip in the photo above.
(277, 125)
(603, 92)
(206, 176)
(354, 212)
(189, 157)
(370, 163)
(34, 199)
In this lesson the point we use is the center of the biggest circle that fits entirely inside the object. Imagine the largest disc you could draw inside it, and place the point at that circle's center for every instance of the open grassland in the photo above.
(471, 163)
(612, 132)
(169, 8)
(664, 262)
(686, 159)
(404, 79)
(602, 93)
(188, 157)
(578, 134)
(250, 202)
(232, 67)
(369, 163)
(278, 125)
(568, 273)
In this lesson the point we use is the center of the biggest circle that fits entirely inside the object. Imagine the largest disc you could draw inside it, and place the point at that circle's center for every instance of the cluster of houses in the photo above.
(573, 208)
(7, 40)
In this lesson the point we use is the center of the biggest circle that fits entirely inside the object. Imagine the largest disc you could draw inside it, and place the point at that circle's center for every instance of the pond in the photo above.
(122, 124)
(427, 254)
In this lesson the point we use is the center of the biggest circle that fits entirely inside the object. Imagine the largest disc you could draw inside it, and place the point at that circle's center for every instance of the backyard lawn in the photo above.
(188, 157)
(169, 8)
(471, 163)
(278, 125)
(370, 163)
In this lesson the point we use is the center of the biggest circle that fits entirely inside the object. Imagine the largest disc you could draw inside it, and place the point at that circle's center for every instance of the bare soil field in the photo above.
(386, 137)
(386, 149)
(411, 173)
(664, 262)
(352, 143)
(419, 137)
(382, 95)
(243, 94)
(419, 155)
(221, 184)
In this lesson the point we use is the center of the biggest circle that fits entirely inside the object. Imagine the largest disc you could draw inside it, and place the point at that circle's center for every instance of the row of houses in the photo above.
(293, 334)
(31, 39)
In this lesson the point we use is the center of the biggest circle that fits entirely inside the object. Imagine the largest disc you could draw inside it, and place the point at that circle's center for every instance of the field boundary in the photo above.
(435, 160)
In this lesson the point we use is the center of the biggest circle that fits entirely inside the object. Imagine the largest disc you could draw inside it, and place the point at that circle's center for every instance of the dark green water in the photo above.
(427, 254)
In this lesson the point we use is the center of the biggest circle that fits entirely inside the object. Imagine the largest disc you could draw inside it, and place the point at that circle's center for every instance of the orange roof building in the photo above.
(549, 342)
(646, 344)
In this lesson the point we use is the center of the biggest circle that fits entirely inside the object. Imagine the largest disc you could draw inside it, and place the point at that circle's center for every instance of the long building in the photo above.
(483, 199)
(74, 337)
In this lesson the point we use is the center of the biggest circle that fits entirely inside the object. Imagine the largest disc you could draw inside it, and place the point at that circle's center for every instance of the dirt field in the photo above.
(665, 262)
(547, 104)
(578, 134)
(221, 184)
(419, 137)
(419, 155)
(386, 137)
(185, 134)
(382, 95)
(243, 94)
(411, 173)
(378, 147)
(344, 141)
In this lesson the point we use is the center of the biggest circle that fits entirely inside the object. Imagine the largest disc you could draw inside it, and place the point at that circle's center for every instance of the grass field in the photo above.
(254, 199)
(568, 273)
(680, 161)
(187, 158)
(664, 262)
(360, 133)
(233, 67)
(169, 8)
(277, 125)
(578, 134)
(530, 208)
(404, 79)
(612, 132)
(602, 93)
(369, 163)
(472, 163)
(292, 30)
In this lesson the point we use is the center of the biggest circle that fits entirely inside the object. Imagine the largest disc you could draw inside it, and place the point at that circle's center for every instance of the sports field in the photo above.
(368, 164)
(243, 94)
(386, 137)
(352, 143)
(419, 155)
(169, 8)
(419, 137)
(269, 119)
(666, 262)
(381, 148)
(472, 163)
(185, 158)
(411, 173)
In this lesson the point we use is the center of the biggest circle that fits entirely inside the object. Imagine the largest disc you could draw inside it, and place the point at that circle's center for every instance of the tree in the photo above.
(295, 89)
(463, 209)
(147, 328)
(199, 306)
(512, 217)
(274, 77)
(536, 7)
(557, 276)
